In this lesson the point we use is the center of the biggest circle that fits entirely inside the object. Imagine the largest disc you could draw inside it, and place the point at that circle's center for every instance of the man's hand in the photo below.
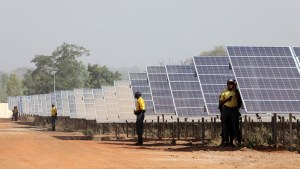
(228, 99)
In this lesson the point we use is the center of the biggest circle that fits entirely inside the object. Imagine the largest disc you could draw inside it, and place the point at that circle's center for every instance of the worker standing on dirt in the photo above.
(140, 115)
(53, 116)
(230, 101)
(15, 114)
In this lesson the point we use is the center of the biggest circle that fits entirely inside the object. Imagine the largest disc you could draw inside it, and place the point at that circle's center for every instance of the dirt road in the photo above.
(26, 147)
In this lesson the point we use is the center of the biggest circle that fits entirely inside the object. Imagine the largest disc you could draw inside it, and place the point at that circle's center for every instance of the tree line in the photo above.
(65, 66)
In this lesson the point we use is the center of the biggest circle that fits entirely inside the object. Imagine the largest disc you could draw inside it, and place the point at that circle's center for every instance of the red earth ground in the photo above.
(28, 147)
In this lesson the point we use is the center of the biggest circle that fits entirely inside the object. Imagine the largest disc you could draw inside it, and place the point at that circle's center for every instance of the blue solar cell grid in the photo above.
(213, 72)
(258, 51)
(139, 82)
(185, 90)
(268, 78)
(160, 90)
(296, 51)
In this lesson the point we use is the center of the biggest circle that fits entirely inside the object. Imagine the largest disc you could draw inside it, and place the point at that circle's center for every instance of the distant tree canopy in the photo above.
(68, 71)
(100, 75)
(14, 86)
(3, 87)
(217, 51)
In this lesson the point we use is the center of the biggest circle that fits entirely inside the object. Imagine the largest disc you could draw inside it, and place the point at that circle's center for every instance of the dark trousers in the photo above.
(53, 121)
(140, 124)
(230, 121)
(14, 117)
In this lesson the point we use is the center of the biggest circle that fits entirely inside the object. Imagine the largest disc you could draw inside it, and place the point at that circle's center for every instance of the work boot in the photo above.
(140, 140)
(223, 143)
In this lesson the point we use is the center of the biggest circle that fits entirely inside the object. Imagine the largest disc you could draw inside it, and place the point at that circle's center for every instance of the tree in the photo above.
(14, 86)
(69, 72)
(217, 51)
(100, 75)
(3, 87)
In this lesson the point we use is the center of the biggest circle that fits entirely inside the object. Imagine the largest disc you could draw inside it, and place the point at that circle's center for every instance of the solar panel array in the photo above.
(125, 100)
(268, 78)
(213, 72)
(89, 104)
(139, 82)
(160, 90)
(185, 90)
(111, 103)
(101, 115)
(79, 104)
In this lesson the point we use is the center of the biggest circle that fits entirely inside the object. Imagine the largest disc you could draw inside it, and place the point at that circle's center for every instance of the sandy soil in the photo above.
(27, 147)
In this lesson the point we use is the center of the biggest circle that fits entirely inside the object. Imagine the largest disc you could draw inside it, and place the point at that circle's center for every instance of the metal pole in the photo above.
(54, 82)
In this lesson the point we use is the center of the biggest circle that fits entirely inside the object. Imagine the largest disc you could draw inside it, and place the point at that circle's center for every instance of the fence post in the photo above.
(203, 131)
(275, 130)
(178, 129)
(116, 130)
(185, 128)
(193, 128)
(126, 129)
(199, 130)
(133, 130)
(211, 128)
(163, 126)
(215, 127)
(173, 133)
(291, 131)
(297, 128)
(145, 128)
(158, 128)
(245, 130)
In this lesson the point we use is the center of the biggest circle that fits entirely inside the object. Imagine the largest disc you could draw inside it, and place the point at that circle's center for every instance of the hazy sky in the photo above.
(123, 33)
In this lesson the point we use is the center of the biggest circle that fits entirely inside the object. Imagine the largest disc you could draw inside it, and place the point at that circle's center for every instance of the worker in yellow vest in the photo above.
(230, 101)
(53, 116)
(140, 115)
(15, 114)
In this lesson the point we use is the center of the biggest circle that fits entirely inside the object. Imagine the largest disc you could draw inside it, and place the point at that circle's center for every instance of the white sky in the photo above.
(124, 33)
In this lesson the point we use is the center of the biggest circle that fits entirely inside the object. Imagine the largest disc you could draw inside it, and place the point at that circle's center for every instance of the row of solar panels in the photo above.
(268, 80)
(109, 104)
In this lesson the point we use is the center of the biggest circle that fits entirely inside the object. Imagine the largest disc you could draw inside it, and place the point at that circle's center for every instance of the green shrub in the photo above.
(88, 134)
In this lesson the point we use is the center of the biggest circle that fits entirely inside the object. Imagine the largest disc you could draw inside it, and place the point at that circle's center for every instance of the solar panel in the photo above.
(296, 51)
(59, 103)
(32, 99)
(125, 100)
(79, 104)
(40, 105)
(160, 90)
(111, 103)
(258, 51)
(44, 105)
(65, 103)
(101, 114)
(72, 104)
(89, 104)
(139, 82)
(185, 90)
(213, 72)
(268, 78)
(24, 104)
